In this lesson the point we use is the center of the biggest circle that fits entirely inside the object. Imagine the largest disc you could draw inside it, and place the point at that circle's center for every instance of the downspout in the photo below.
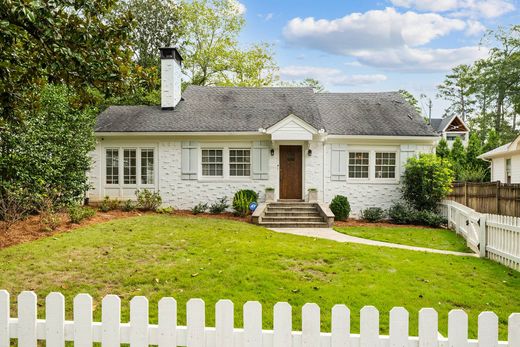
(323, 172)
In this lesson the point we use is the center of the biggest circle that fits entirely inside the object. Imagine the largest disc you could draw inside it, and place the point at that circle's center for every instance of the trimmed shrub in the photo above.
(108, 205)
(78, 213)
(427, 180)
(373, 214)
(148, 200)
(340, 207)
(400, 213)
(429, 218)
(220, 206)
(242, 199)
(199, 208)
(128, 206)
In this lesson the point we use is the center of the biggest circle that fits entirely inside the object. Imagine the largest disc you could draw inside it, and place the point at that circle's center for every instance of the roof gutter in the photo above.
(384, 137)
(176, 133)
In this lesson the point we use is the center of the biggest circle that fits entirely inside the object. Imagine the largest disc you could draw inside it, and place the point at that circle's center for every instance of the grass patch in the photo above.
(421, 237)
(159, 255)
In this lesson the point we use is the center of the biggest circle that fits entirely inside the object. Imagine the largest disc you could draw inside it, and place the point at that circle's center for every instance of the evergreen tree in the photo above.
(492, 141)
(473, 151)
(442, 149)
(458, 156)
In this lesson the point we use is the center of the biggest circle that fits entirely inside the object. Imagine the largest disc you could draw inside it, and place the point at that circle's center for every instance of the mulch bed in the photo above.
(30, 229)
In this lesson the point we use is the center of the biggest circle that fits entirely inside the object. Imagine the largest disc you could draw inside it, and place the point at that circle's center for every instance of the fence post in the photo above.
(497, 192)
(482, 237)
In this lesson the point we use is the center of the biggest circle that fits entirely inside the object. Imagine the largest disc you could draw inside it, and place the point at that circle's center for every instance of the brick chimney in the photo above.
(171, 61)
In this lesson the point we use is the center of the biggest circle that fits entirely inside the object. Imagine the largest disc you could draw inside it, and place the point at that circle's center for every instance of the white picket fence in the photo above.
(111, 332)
(492, 236)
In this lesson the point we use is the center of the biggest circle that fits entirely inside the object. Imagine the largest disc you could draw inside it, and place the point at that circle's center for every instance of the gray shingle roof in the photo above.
(440, 123)
(215, 109)
(239, 109)
(371, 114)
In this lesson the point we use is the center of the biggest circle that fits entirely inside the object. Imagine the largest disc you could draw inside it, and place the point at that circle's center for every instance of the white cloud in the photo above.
(328, 75)
(421, 60)
(267, 17)
(378, 28)
(470, 8)
(474, 28)
(387, 38)
(240, 7)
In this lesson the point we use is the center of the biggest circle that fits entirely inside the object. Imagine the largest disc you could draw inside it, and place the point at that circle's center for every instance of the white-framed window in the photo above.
(358, 164)
(129, 166)
(212, 162)
(112, 165)
(239, 162)
(147, 166)
(385, 165)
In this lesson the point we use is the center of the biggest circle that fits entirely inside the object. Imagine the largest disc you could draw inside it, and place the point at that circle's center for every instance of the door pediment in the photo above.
(292, 128)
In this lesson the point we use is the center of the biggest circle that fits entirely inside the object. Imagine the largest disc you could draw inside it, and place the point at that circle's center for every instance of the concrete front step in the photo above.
(292, 214)
(292, 209)
(287, 204)
(269, 219)
(294, 225)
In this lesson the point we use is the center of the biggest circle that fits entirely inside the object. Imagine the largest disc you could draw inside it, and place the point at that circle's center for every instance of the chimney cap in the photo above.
(170, 53)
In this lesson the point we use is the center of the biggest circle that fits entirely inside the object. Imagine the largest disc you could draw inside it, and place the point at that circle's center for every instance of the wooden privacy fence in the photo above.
(488, 197)
(492, 236)
(110, 332)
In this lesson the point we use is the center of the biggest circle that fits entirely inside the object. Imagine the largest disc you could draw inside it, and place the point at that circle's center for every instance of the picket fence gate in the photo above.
(111, 332)
(493, 236)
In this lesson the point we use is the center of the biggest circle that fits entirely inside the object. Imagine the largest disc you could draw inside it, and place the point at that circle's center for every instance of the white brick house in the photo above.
(212, 141)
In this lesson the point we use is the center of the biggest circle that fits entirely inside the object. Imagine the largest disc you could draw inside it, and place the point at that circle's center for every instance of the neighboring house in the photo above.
(505, 162)
(450, 128)
(212, 141)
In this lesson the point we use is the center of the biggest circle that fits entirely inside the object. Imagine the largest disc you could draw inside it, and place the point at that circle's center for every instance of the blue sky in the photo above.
(375, 45)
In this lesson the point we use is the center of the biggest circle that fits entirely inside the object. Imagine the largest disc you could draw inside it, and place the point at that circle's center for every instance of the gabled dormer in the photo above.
(450, 128)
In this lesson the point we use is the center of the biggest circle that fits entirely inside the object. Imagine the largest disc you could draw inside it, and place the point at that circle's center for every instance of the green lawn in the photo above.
(159, 255)
(420, 237)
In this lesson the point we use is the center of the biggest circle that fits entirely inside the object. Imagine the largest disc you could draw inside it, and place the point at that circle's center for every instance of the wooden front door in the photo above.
(290, 172)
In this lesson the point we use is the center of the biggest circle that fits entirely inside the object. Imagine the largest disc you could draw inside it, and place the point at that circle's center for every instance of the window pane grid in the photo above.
(212, 162)
(129, 166)
(385, 165)
(112, 166)
(239, 162)
(358, 165)
(147, 167)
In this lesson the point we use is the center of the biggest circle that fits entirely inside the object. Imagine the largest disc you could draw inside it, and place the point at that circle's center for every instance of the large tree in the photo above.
(212, 55)
(80, 43)
(457, 88)
(51, 151)
(158, 24)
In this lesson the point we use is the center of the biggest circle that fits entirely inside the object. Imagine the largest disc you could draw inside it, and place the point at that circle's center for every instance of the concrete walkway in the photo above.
(331, 234)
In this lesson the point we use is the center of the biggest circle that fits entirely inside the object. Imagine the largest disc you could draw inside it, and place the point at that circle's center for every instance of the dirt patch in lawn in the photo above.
(225, 215)
(362, 223)
(30, 229)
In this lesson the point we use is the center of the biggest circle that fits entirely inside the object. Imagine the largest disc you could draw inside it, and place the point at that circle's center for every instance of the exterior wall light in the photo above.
(309, 152)
(272, 151)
